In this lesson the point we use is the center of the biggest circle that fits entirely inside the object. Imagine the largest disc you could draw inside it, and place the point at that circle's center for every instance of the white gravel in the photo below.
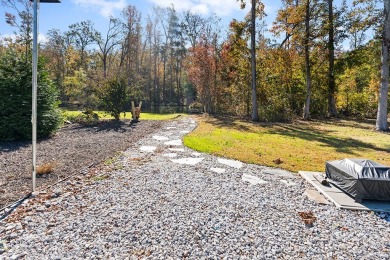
(146, 206)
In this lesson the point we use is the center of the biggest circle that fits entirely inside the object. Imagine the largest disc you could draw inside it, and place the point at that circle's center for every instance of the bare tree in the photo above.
(109, 42)
(22, 20)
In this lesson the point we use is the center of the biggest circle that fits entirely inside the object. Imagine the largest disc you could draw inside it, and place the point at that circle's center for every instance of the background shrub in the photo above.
(87, 118)
(114, 97)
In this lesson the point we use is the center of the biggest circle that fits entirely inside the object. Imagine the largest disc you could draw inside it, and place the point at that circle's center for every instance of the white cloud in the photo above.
(200, 9)
(11, 37)
(42, 38)
(105, 7)
(220, 7)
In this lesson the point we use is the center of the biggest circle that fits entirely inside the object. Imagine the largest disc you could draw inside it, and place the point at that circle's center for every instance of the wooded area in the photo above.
(302, 66)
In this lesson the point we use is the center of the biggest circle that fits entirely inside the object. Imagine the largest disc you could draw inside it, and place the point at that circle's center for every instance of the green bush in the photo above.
(195, 107)
(16, 95)
(114, 97)
(86, 118)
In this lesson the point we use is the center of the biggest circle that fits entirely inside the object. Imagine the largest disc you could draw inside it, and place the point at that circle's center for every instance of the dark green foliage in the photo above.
(86, 118)
(114, 97)
(16, 95)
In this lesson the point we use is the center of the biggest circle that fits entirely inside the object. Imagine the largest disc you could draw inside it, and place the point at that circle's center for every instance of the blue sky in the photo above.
(60, 16)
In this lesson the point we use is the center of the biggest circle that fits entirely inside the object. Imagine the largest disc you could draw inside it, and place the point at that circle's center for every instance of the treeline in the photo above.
(180, 58)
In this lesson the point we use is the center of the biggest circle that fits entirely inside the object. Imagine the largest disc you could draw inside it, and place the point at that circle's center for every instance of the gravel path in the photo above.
(162, 201)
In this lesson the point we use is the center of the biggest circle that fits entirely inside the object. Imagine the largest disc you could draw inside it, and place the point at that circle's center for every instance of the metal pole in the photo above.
(34, 94)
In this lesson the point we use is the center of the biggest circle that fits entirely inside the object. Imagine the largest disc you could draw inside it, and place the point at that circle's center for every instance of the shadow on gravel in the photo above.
(107, 125)
(13, 145)
(117, 126)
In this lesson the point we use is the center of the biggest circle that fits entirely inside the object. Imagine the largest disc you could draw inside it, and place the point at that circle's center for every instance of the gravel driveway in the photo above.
(161, 200)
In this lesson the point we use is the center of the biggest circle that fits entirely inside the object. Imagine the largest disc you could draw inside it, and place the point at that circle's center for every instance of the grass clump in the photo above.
(45, 168)
(100, 177)
(296, 146)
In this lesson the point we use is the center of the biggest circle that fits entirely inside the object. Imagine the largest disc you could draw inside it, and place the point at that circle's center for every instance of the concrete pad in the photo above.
(279, 172)
(288, 183)
(160, 138)
(316, 196)
(176, 149)
(185, 132)
(177, 142)
(253, 180)
(341, 199)
(231, 163)
(147, 148)
(196, 154)
(170, 155)
(218, 170)
(188, 161)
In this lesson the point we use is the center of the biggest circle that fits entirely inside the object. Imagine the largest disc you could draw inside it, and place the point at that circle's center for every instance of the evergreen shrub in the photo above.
(16, 98)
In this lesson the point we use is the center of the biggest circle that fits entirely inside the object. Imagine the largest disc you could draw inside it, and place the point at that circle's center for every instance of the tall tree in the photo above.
(82, 34)
(201, 71)
(306, 109)
(109, 42)
(55, 53)
(193, 26)
(256, 7)
(381, 121)
(332, 111)
(255, 112)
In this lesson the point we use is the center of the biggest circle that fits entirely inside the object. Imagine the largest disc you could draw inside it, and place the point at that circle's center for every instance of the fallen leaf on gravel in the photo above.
(308, 217)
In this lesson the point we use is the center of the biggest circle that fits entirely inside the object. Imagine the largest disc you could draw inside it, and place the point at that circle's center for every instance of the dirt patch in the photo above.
(71, 149)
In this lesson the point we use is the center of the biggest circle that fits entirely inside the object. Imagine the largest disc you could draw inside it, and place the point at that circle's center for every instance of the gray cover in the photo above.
(360, 178)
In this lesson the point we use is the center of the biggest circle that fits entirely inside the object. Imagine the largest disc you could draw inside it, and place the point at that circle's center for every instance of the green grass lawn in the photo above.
(302, 145)
(144, 116)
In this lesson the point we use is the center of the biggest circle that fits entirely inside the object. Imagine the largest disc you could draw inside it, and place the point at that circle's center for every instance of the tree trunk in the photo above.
(306, 109)
(331, 81)
(156, 94)
(104, 65)
(255, 113)
(381, 120)
(164, 80)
